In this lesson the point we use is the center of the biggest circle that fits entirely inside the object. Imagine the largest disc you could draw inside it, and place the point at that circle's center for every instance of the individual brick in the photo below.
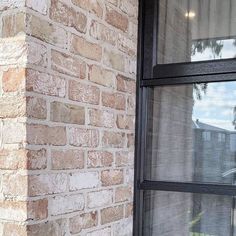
(101, 76)
(99, 198)
(99, 159)
(113, 139)
(84, 48)
(37, 210)
(112, 177)
(102, 32)
(47, 32)
(111, 214)
(124, 158)
(103, 232)
(125, 84)
(83, 221)
(123, 227)
(45, 84)
(68, 159)
(39, 6)
(43, 134)
(13, 24)
(123, 193)
(36, 108)
(65, 204)
(14, 80)
(67, 16)
(67, 113)
(84, 180)
(125, 122)
(83, 93)
(22, 159)
(101, 118)
(83, 137)
(129, 7)
(129, 209)
(56, 227)
(93, 6)
(114, 60)
(114, 100)
(45, 184)
(12, 107)
(130, 143)
(68, 65)
(116, 19)
(126, 45)
(15, 185)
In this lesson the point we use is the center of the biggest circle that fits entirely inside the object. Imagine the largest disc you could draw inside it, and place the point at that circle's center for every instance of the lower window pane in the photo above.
(187, 214)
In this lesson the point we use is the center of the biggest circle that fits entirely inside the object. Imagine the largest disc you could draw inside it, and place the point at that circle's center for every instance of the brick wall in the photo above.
(67, 103)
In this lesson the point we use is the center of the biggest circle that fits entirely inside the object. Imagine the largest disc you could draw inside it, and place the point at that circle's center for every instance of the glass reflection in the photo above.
(192, 133)
(187, 214)
(191, 30)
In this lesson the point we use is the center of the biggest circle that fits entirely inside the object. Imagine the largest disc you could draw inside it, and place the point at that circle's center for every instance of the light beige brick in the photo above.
(101, 118)
(125, 84)
(67, 159)
(123, 193)
(65, 204)
(62, 13)
(12, 107)
(100, 198)
(93, 6)
(42, 134)
(101, 32)
(125, 122)
(83, 137)
(44, 184)
(101, 76)
(14, 80)
(67, 113)
(47, 32)
(83, 221)
(116, 19)
(49, 228)
(68, 65)
(111, 214)
(99, 159)
(113, 139)
(112, 177)
(36, 108)
(39, 6)
(84, 180)
(45, 84)
(83, 93)
(84, 48)
(114, 59)
(114, 100)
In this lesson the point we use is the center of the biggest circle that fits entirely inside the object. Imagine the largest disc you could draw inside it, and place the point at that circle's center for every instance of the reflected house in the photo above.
(214, 153)
(214, 159)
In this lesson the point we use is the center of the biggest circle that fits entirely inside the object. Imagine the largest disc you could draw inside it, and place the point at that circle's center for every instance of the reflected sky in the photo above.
(217, 106)
(228, 50)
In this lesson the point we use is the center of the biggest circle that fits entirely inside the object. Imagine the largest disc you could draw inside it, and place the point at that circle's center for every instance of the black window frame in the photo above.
(150, 74)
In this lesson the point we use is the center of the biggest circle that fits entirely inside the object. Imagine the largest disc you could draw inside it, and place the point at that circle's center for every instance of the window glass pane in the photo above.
(196, 30)
(191, 133)
(187, 214)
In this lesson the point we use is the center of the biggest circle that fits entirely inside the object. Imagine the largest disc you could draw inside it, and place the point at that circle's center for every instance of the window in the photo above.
(221, 137)
(206, 136)
(185, 165)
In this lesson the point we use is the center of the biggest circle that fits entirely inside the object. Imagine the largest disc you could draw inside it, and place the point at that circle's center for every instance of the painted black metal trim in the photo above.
(204, 188)
(189, 79)
(176, 70)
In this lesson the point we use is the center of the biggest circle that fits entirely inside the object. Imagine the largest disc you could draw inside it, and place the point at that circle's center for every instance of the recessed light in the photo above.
(190, 14)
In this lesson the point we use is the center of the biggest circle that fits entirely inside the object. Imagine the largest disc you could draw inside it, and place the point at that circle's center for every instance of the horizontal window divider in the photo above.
(194, 68)
(204, 188)
(189, 79)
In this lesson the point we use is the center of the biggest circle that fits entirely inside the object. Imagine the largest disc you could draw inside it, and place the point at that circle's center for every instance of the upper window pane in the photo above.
(196, 30)
(192, 133)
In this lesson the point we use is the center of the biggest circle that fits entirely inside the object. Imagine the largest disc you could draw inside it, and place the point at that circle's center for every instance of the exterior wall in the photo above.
(67, 103)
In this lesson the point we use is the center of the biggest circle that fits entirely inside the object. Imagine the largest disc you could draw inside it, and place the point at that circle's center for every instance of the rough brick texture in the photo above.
(67, 105)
